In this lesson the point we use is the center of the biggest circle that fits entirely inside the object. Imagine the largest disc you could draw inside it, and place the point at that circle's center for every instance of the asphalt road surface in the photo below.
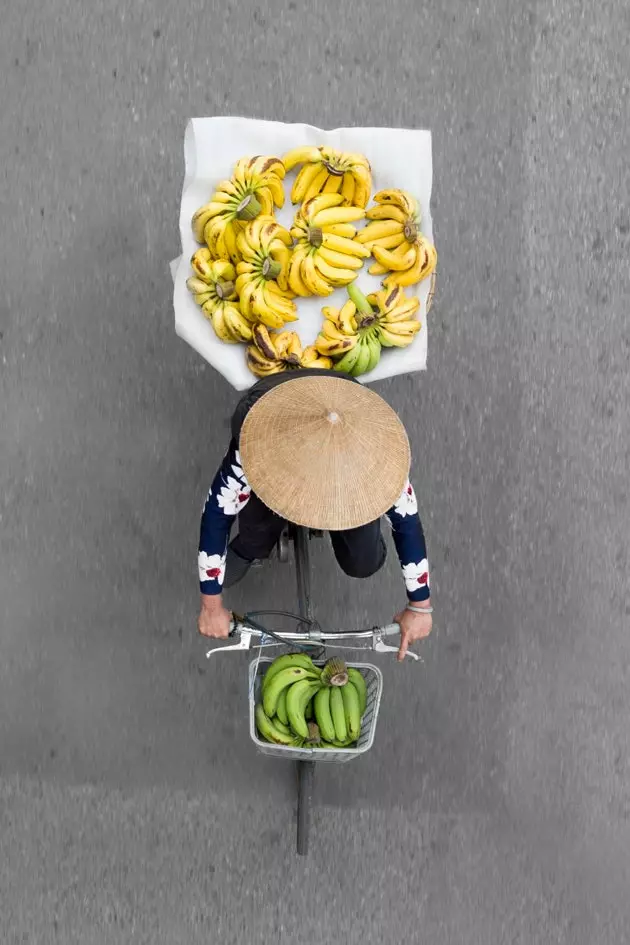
(494, 808)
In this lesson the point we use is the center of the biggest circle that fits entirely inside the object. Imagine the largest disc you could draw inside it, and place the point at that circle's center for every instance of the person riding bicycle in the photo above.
(321, 451)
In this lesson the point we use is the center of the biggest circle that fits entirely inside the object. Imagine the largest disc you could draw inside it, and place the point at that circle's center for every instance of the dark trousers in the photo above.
(360, 552)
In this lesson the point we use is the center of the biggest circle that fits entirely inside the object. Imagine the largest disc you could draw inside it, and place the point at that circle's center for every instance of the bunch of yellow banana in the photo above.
(213, 289)
(325, 255)
(327, 171)
(393, 237)
(395, 316)
(255, 188)
(274, 353)
(262, 274)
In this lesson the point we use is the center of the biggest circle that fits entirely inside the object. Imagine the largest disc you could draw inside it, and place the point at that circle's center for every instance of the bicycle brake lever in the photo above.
(243, 644)
(381, 647)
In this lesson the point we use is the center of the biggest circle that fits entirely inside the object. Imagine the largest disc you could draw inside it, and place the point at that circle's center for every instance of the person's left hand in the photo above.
(413, 627)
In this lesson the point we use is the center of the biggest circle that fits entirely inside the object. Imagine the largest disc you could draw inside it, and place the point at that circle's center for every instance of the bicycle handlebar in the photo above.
(313, 636)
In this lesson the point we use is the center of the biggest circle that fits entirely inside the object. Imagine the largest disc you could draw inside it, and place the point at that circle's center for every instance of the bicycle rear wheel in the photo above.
(305, 769)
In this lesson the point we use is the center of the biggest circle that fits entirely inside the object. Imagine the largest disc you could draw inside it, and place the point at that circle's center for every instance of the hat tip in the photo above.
(333, 417)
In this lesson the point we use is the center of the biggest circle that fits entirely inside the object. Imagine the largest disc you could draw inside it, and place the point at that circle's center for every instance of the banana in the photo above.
(391, 340)
(338, 714)
(398, 262)
(346, 317)
(335, 276)
(333, 184)
(269, 731)
(321, 202)
(296, 283)
(281, 726)
(374, 231)
(375, 353)
(237, 324)
(403, 329)
(362, 362)
(347, 189)
(282, 680)
(304, 155)
(337, 215)
(274, 186)
(341, 244)
(387, 242)
(424, 265)
(316, 184)
(386, 212)
(321, 708)
(377, 270)
(281, 708)
(347, 363)
(352, 710)
(201, 217)
(342, 229)
(298, 697)
(400, 198)
(340, 260)
(303, 181)
(355, 677)
(312, 279)
(283, 662)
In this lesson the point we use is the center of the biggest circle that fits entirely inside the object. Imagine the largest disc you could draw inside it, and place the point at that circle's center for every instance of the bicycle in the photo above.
(310, 639)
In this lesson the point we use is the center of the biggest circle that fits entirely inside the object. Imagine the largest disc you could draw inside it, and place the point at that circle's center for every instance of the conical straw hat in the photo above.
(325, 453)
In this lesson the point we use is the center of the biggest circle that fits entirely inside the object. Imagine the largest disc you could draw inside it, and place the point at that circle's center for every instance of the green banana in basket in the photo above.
(273, 690)
(298, 697)
(281, 708)
(352, 710)
(284, 662)
(355, 676)
(270, 732)
(321, 706)
(338, 714)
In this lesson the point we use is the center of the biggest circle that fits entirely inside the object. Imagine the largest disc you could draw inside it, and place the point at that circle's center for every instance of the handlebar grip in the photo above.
(392, 629)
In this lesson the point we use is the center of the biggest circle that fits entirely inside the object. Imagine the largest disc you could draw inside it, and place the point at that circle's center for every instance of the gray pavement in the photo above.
(495, 805)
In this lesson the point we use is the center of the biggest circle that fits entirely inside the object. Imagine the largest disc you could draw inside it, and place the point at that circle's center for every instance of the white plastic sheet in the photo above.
(399, 158)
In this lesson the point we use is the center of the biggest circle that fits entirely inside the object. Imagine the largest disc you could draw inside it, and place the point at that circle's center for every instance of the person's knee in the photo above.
(362, 566)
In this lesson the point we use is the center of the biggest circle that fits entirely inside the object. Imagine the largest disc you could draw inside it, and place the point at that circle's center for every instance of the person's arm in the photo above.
(412, 554)
(229, 493)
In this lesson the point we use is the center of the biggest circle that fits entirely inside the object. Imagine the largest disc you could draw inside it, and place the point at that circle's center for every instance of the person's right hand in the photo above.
(214, 619)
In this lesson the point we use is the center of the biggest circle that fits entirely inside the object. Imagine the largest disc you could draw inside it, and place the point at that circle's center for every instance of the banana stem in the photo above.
(224, 289)
(315, 236)
(363, 306)
(249, 208)
(271, 269)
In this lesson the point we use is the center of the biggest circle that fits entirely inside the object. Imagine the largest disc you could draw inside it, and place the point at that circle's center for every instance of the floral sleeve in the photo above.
(410, 544)
(229, 493)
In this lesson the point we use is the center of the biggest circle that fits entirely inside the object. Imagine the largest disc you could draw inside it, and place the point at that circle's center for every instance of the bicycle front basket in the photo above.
(374, 680)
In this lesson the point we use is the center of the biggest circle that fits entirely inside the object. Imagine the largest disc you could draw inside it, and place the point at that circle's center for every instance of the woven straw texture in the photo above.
(324, 453)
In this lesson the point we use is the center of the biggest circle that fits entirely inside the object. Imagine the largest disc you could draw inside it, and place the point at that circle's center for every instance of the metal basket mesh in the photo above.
(374, 680)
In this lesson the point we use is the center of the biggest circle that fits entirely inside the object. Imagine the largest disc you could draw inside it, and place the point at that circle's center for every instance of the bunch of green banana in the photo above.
(261, 281)
(325, 255)
(274, 352)
(336, 696)
(394, 239)
(254, 189)
(213, 289)
(328, 171)
(349, 335)
(339, 707)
